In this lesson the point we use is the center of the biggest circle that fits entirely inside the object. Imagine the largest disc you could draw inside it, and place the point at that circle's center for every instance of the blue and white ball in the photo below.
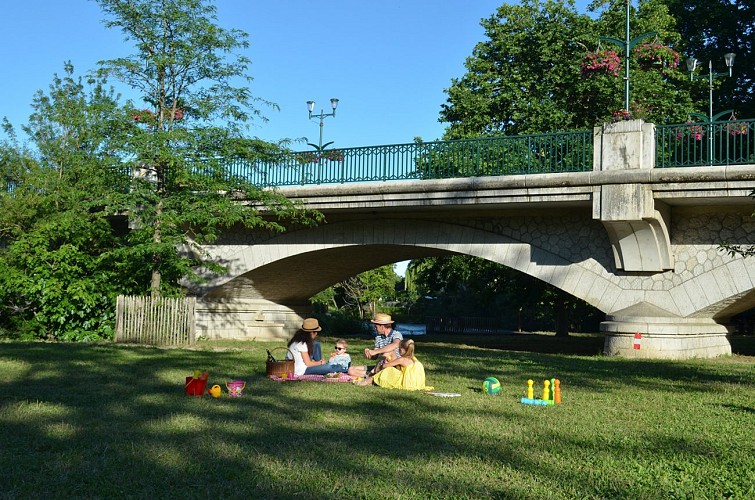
(491, 386)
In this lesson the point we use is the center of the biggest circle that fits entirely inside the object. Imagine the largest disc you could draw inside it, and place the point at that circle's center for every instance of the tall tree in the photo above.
(193, 80)
(526, 77)
(58, 243)
(115, 199)
(712, 28)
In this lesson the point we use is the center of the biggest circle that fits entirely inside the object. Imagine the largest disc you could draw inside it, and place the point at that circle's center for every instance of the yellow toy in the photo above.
(215, 391)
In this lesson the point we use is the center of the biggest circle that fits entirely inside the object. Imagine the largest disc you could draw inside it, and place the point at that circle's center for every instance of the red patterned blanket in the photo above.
(341, 377)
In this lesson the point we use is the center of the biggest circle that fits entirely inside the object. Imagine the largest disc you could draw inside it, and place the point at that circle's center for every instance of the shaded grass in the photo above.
(104, 420)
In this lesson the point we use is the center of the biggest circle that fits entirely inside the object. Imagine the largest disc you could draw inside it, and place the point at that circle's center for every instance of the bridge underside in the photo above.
(680, 313)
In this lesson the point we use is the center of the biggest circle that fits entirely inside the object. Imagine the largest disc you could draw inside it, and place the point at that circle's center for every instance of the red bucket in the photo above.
(195, 386)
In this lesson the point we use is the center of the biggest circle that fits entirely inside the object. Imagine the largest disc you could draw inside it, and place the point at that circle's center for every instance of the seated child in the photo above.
(340, 358)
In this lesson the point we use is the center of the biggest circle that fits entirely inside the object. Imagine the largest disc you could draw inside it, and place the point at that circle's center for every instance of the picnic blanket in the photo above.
(342, 377)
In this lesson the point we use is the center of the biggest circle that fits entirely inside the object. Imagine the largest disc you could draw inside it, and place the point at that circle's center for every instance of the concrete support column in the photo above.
(664, 338)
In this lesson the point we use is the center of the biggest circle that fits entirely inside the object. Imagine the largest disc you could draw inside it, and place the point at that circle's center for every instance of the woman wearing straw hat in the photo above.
(306, 353)
(387, 342)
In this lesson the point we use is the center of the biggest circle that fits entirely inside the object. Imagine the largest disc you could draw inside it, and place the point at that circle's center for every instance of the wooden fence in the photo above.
(463, 324)
(155, 321)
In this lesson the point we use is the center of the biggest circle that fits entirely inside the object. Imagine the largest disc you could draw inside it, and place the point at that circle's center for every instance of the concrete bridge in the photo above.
(639, 243)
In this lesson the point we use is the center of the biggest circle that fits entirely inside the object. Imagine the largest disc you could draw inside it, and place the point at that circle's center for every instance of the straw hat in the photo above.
(311, 325)
(382, 319)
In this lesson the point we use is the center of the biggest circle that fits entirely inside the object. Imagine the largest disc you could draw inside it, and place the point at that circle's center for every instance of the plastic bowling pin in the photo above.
(546, 390)
(530, 390)
(557, 392)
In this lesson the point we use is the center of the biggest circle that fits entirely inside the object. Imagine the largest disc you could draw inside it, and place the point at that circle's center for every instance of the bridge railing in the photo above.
(525, 154)
(694, 144)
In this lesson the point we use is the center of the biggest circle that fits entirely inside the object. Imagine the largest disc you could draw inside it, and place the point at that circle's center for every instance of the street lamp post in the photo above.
(321, 116)
(627, 45)
(691, 66)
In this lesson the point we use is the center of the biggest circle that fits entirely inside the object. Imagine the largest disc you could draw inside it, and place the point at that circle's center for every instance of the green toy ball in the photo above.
(491, 386)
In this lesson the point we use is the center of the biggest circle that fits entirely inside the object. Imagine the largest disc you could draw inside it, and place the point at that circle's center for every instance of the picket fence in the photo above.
(155, 321)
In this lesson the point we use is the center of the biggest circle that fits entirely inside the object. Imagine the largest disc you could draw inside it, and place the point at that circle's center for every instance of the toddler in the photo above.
(340, 358)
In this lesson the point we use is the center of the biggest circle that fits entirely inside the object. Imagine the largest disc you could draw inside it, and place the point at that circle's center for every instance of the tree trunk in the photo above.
(562, 321)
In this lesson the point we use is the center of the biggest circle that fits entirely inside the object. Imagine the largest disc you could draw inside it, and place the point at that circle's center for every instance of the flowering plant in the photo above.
(696, 132)
(649, 54)
(144, 116)
(740, 128)
(621, 115)
(313, 157)
(603, 61)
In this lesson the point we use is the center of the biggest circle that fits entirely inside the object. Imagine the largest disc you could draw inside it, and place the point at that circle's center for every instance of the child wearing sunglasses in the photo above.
(339, 358)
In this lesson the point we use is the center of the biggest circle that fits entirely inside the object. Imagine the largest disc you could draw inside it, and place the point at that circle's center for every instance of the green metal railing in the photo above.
(696, 144)
(526, 154)
(680, 145)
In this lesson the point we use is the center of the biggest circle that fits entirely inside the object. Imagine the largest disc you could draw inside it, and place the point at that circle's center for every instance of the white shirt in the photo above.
(297, 348)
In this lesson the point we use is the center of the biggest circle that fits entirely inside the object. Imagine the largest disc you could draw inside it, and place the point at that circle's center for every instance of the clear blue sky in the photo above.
(387, 61)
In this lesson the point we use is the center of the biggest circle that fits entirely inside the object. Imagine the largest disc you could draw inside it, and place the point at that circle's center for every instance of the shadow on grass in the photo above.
(109, 420)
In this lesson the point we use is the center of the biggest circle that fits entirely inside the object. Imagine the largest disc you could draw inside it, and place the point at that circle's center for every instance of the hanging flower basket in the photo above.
(307, 157)
(332, 155)
(695, 132)
(737, 128)
(621, 115)
(312, 157)
(656, 55)
(602, 62)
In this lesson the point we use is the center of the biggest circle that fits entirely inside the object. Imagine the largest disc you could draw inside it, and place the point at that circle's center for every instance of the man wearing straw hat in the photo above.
(387, 341)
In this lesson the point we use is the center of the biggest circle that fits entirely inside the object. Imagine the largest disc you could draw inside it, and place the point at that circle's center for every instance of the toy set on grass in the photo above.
(491, 386)
(196, 385)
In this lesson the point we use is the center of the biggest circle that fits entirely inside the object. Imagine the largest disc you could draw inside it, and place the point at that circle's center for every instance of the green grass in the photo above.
(104, 420)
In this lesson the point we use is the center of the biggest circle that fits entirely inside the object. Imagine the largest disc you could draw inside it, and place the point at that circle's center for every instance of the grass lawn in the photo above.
(106, 420)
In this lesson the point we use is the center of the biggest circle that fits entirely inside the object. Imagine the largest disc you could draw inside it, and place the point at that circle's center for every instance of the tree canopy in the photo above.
(527, 75)
(110, 197)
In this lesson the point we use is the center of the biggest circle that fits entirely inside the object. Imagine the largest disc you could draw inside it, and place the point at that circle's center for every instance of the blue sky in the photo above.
(387, 61)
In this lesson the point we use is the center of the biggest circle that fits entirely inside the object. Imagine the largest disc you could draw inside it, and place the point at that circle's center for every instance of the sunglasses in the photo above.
(340, 348)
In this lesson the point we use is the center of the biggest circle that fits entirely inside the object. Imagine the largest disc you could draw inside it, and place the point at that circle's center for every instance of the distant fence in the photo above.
(462, 324)
(155, 321)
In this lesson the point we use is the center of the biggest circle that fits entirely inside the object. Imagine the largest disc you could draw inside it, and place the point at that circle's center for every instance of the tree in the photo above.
(525, 77)
(186, 68)
(461, 285)
(59, 246)
(712, 28)
(113, 198)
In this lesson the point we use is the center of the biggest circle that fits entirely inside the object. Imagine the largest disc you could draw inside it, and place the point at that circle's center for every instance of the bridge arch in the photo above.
(330, 253)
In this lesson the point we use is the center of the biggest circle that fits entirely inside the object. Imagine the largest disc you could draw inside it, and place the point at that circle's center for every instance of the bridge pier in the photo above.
(654, 337)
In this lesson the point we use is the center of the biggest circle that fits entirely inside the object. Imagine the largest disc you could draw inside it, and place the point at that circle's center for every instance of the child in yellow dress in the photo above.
(405, 372)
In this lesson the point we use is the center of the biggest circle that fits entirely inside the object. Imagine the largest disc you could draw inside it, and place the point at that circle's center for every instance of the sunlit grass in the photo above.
(112, 421)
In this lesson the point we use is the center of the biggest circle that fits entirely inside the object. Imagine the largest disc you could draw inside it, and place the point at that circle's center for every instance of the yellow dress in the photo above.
(410, 378)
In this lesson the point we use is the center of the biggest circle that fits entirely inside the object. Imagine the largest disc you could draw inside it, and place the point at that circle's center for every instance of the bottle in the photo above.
(270, 356)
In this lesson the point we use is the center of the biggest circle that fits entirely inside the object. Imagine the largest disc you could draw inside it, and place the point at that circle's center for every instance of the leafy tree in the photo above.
(361, 293)
(525, 77)
(469, 286)
(59, 245)
(195, 86)
(116, 199)
(712, 28)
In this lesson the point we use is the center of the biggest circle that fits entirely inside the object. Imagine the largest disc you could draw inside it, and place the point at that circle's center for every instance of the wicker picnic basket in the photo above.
(278, 368)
